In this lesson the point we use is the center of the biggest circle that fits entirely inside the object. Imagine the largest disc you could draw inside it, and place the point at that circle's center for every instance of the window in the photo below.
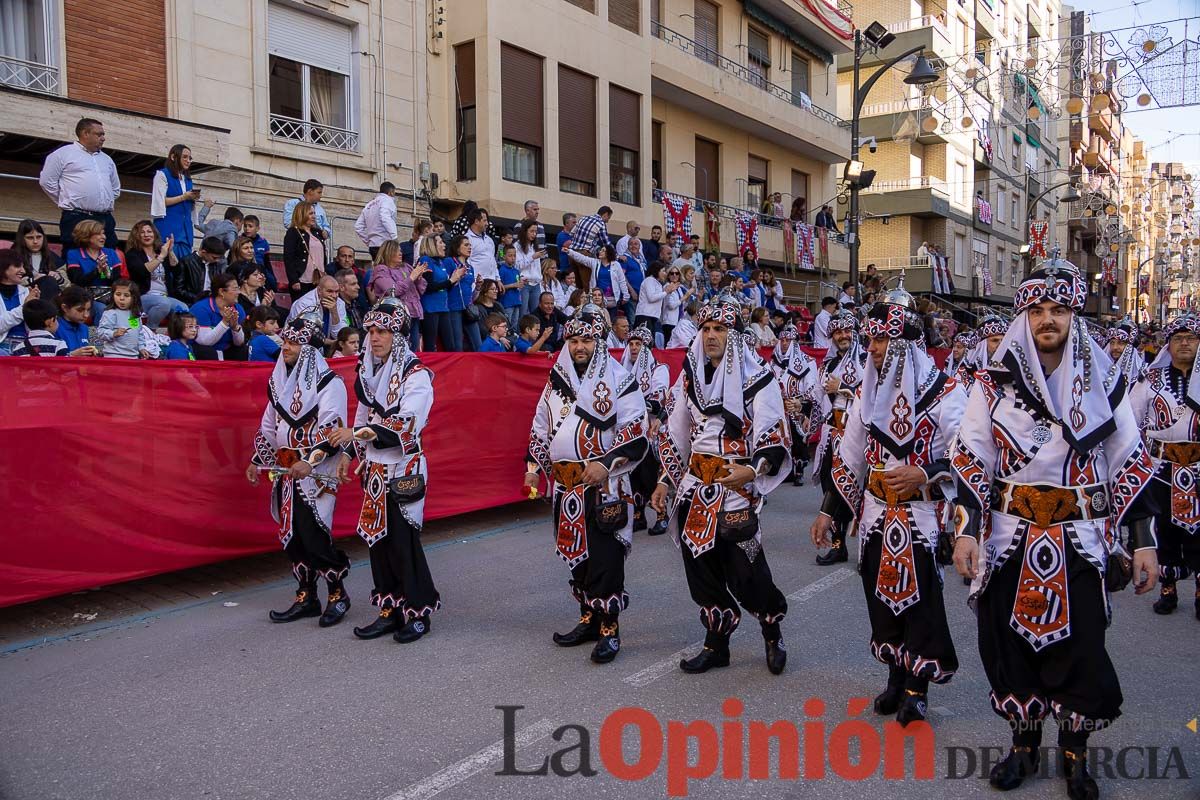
(309, 78)
(1001, 263)
(624, 145)
(799, 191)
(464, 76)
(801, 71)
(656, 154)
(656, 17)
(521, 115)
(1015, 269)
(708, 43)
(576, 132)
(960, 190)
(960, 255)
(1016, 154)
(1000, 205)
(26, 46)
(1016, 212)
(758, 57)
(708, 172)
(756, 183)
(587, 5)
(626, 14)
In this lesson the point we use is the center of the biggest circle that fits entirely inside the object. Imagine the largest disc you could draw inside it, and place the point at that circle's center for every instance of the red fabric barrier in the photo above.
(114, 470)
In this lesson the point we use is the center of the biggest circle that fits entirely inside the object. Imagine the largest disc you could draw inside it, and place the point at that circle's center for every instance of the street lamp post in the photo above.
(922, 73)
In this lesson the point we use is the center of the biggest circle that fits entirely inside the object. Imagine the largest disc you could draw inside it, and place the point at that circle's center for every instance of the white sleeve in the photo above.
(360, 225)
(116, 179)
(209, 336)
(653, 290)
(388, 217)
(1139, 401)
(10, 319)
(51, 173)
(158, 196)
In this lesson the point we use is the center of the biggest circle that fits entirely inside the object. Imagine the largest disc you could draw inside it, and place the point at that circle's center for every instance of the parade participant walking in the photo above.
(838, 381)
(306, 401)
(797, 375)
(725, 446)
(1165, 405)
(895, 447)
(653, 380)
(1048, 464)
(1122, 349)
(588, 436)
(395, 395)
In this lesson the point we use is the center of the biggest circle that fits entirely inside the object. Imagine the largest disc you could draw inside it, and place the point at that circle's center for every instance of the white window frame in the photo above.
(34, 75)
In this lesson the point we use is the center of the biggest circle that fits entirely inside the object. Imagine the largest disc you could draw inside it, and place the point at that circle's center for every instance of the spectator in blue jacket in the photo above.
(461, 295)
(435, 301)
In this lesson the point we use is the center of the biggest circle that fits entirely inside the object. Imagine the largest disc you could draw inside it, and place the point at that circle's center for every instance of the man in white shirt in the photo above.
(483, 249)
(377, 222)
(82, 181)
(632, 229)
(326, 301)
(820, 328)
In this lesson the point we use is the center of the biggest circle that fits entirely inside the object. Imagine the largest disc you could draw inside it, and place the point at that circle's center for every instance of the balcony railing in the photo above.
(28, 75)
(915, 24)
(743, 73)
(311, 133)
(905, 184)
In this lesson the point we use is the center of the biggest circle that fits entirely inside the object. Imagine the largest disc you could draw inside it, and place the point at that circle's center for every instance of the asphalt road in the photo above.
(208, 700)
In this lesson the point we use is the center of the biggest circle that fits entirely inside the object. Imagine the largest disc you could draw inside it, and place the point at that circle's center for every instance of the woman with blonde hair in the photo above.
(304, 255)
(392, 277)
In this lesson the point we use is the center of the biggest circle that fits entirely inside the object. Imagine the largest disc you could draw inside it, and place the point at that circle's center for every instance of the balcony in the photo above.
(883, 120)
(985, 20)
(1033, 185)
(297, 130)
(1102, 123)
(687, 73)
(983, 153)
(28, 75)
(919, 196)
(826, 23)
(1036, 29)
(927, 31)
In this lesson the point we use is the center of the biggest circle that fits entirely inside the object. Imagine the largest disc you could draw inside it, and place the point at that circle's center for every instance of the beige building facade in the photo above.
(610, 102)
(266, 94)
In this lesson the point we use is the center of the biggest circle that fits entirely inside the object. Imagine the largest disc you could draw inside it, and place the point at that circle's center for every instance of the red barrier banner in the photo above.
(114, 470)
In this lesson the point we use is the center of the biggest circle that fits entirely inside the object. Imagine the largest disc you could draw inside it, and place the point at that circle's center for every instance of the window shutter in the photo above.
(625, 13)
(587, 5)
(624, 118)
(757, 170)
(521, 96)
(759, 47)
(800, 73)
(576, 125)
(708, 177)
(706, 25)
(464, 64)
(308, 39)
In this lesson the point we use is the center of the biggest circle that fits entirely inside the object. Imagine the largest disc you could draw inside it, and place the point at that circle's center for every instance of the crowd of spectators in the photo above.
(187, 285)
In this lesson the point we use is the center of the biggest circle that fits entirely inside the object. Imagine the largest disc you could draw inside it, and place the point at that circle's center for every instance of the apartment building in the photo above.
(958, 164)
(584, 103)
(265, 93)
(1173, 237)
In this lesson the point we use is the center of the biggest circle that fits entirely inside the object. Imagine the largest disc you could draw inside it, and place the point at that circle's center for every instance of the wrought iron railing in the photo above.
(725, 211)
(28, 75)
(743, 73)
(903, 184)
(311, 133)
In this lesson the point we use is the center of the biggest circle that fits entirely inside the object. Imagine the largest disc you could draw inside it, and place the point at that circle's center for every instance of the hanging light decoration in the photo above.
(1100, 102)
(1034, 112)
(1143, 99)
(1075, 105)
(967, 122)
(929, 124)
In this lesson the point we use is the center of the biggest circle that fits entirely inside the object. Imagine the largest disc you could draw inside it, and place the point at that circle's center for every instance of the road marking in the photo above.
(669, 664)
(459, 771)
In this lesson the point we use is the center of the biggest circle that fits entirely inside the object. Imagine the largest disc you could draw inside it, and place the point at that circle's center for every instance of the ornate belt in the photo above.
(1185, 454)
(709, 467)
(286, 457)
(568, 473)
(837, 418)
(879, 488)
(1045, 505)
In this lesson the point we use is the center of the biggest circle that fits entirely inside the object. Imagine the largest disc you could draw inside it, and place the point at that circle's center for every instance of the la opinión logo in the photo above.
(733, 749)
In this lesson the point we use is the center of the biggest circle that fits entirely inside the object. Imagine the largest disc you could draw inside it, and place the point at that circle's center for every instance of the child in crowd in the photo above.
(349, 341)
(74, 311)
(506, 244)
(497, 328)
(530, 341)
(262, 248)
(510, 286)
(123, 331)
(182, 328)
(41, 322)
(264, 344)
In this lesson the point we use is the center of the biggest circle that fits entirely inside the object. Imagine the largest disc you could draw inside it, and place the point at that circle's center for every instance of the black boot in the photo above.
(305, 605)
(913, 707)
(1080, 784)
(887, 702)
(798, 477)
(385, 623)
(835, 555)
(609, 642)
(336, 608)
(776, 655)
(639, 518)
(1167, 600)
(588, 630)
(413, 630)
(715, 654)
(659, 527)
(1019, 764)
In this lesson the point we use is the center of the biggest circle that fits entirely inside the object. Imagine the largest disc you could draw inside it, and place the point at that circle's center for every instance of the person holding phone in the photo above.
(173, 200)
(529, 264)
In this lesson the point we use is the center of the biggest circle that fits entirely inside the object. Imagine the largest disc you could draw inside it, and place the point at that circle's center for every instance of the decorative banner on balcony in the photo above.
(1038, 231)
(746, 230)
(804, 244)
(942, 283)
(712, 229)
(980, 259)
(1108, 266)
(677, 214)
(841, 25)
(985, 210)
(1143, 284)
